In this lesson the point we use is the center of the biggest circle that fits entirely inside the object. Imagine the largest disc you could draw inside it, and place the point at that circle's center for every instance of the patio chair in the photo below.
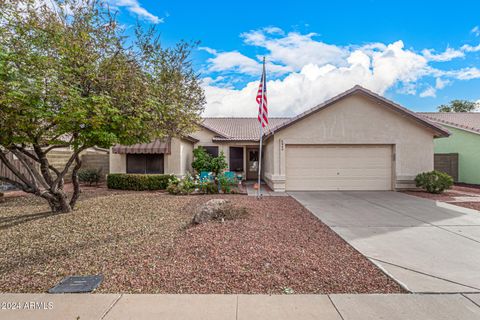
(206, 176)
(230, 175)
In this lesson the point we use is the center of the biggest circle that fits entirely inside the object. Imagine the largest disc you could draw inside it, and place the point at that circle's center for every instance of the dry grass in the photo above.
(139, 242)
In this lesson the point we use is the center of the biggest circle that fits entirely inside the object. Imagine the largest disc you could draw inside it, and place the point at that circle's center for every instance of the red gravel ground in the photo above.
(470, 205)
(448, 196)
(140, 242)
(445, 197)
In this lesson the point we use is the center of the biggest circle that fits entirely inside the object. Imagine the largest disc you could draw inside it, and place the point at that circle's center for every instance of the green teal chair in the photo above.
(206, 176)
(230, 175)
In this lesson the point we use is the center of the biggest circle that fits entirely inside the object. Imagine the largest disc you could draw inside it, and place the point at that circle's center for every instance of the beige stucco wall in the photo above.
(358, 120)
(178, 162)
(118, 162)
(268, 161)
(186, 157)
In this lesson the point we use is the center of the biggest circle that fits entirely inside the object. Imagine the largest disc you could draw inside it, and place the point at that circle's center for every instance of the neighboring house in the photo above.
(357, 140)
(459, 154)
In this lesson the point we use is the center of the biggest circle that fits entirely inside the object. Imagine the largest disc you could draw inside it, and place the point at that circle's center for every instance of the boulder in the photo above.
(211, 210)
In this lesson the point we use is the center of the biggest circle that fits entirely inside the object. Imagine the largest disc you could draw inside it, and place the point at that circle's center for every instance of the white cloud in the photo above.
(295, 49)
(314, 83)
(303, 72)
(274, 30)
(429, 92)
(447, 55)
(467, 73)
(136, 8)
(469, 48)
(476, 31)
(234, 61)
(441, 83)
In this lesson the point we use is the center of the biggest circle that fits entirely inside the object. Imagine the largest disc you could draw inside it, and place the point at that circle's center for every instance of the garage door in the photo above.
(321, 167)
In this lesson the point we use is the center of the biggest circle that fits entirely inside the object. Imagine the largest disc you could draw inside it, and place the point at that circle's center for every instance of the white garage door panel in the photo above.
(319, 167)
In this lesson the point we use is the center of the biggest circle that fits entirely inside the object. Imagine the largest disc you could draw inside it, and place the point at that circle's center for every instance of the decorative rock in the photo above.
(212, 209)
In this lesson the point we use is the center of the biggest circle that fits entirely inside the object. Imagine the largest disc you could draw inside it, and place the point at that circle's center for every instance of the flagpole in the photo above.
(261, 133)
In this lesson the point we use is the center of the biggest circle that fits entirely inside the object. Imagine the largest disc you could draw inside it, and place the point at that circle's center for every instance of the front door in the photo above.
(252, 163)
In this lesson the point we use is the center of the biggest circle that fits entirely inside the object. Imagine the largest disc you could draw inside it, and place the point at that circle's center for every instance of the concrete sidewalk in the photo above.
(226, 307)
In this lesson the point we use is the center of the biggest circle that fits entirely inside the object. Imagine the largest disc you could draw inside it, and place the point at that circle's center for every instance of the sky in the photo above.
(420, 54)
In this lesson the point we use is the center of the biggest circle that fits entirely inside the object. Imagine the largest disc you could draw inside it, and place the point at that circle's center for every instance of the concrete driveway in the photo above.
(426, 246)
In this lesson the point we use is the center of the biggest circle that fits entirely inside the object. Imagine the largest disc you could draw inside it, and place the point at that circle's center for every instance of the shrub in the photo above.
(201, 160)
(219, 164)
(434, 181)
(181, 186)
(209, 187)
(90, 176)
(225, 183)
(138, 182)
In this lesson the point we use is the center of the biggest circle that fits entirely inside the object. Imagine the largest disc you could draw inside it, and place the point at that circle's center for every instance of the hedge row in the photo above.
(138, 182)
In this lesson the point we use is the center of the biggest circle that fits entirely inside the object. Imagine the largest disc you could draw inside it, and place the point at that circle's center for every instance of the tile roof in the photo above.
(463, 120)
(239, 129)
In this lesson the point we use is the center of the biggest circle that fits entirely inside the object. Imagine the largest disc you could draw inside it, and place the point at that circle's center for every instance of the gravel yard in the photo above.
(451, 196)
(141, 242)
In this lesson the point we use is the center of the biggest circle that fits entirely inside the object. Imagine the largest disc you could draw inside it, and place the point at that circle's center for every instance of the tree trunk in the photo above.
(40, 181)
(59, 203)
(75, 182)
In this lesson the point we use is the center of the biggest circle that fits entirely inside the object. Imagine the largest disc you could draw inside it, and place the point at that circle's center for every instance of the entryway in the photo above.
(252, 163)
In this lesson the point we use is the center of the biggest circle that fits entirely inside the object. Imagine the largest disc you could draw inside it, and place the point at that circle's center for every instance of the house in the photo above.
(357, 140)
(459, 154)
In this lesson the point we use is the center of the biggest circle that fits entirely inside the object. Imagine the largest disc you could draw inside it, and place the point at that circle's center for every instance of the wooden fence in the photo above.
(448, 163)
(5, 172)
(96, 160)
(91, 159)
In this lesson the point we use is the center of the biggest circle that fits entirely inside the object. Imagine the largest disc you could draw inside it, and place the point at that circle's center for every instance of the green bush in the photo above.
(201, 160)
(226, 184)
(182, 186)
(138, 182)
(434, 181)
(90, 176)
(218, 164)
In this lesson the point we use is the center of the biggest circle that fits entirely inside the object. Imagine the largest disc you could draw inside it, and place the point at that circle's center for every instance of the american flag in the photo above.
(262, 99)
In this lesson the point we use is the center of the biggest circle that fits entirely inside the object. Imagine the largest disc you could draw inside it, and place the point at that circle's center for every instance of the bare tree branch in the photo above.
(44, 164)
(76, 184)
(57, 146)
(35, 158)
(15, 171)
(68, 165)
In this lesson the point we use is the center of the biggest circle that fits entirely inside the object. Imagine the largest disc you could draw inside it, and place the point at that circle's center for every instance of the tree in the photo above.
(219, 164)
(459, 106)
(69, 80)
(202, 160)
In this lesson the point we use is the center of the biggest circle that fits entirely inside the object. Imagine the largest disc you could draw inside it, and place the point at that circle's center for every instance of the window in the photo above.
(145, 163)
(236, 159)
(213, 151)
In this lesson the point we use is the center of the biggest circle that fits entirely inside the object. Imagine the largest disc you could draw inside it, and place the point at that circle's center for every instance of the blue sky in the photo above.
(418, 53)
